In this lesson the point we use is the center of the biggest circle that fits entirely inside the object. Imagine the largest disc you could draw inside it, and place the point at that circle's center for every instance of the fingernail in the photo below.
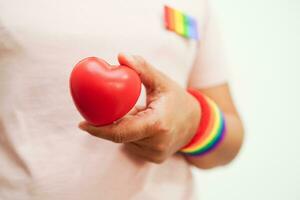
(82, 125)
(129, 58)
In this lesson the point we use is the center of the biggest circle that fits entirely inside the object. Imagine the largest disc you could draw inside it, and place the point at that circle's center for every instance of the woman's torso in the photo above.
(43, 154)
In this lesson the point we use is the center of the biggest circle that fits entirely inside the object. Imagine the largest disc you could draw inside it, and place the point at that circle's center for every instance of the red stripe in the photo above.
(169, 18)
(206, 116)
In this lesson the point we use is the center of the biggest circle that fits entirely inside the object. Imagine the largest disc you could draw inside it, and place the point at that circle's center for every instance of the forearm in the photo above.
(226, 150)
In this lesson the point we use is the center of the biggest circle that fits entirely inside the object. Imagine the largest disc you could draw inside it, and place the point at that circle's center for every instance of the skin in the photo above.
(170, 120)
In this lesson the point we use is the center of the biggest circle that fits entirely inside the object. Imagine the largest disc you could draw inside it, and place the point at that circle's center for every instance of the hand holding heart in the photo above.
(165, 125)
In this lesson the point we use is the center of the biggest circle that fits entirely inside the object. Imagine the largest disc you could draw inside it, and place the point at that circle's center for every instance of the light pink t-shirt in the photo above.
(43, 154)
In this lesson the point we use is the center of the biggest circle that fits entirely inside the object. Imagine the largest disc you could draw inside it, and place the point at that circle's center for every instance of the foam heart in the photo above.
(103, 93)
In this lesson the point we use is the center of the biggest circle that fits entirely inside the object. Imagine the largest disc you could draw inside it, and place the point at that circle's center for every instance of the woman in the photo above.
(43, 153)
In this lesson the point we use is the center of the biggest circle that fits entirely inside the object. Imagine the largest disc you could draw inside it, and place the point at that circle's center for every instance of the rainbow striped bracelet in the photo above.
(211, 129)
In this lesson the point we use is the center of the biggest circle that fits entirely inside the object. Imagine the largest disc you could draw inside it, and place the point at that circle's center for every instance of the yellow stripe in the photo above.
(179, 22)
(213, 132)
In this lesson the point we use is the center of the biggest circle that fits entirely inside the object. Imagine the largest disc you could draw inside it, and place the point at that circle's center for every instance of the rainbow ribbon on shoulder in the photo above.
(211, 129)
(180, 23)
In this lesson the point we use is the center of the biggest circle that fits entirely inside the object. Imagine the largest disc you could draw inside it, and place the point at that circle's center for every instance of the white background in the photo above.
(263, 38)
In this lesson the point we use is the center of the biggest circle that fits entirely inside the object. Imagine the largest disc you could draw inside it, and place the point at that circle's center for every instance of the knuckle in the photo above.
(118, 137)
(141, 60)
(144, 64)
(161, 127)
(158, 159)
(161, 148)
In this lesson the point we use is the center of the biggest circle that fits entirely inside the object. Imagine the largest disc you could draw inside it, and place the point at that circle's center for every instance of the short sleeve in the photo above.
(209, 68)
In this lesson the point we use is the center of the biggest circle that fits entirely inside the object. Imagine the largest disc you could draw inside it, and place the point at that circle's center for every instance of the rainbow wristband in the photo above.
(211, 129)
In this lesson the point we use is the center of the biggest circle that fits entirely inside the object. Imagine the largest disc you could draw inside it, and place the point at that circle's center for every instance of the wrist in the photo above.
(195, 117)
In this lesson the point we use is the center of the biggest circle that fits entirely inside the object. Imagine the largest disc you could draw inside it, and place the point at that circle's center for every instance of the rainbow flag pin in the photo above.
(180, 23)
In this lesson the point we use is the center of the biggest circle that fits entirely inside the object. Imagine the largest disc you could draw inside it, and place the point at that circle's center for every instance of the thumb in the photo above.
(127, 129)
(150, 77)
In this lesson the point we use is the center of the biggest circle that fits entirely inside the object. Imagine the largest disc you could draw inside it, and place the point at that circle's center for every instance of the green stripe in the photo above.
(213, 141)
(185, 26)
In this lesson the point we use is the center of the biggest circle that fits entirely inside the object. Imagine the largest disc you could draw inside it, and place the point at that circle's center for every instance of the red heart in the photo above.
(103, 93)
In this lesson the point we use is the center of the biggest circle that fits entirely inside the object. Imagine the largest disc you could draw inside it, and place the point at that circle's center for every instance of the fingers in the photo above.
(144, 153)
(141, 152)
(150, 77)
(128, 129)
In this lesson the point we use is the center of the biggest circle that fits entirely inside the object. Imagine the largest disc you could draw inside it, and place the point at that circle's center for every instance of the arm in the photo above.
(168, 122)
(229, 147)
(210, 69)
